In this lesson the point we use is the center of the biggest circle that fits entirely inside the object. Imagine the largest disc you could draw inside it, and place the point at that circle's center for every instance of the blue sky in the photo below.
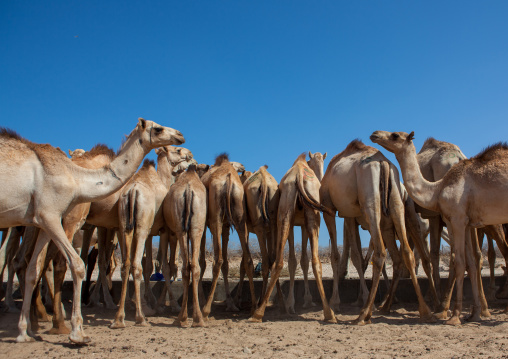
(262, 80)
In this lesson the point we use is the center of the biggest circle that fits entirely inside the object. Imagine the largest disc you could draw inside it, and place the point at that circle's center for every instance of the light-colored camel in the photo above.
(435, 159)
(226, 208)
(362, 185)
(472, 194)
(139, 212)
(41, 185)
(316, 163)
(298, 188)
(185, 214)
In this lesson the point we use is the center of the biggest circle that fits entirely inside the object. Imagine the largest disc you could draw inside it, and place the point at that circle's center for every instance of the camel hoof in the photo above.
(79, 339)
(361, 322)
(117, 324)
(384, 310)
(429, 318)
(256, 318)
(181, 323)
(198, 324)
(453, 321)
(175, 307)
(60, 329)
(485, 313)
(291, 310)
(142, 323)
(45, 318)
(473, 318)
(445, 314)
(24, 338)
(331, 320)
(148, 311)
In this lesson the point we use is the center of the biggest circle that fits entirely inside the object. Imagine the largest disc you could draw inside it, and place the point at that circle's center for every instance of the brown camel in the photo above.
(360, 183)
(10, 245)
(226, 208)
(470, 195)
(262, 201)
(185, 214)
(299, 187)
(139, 211)
(41, 185)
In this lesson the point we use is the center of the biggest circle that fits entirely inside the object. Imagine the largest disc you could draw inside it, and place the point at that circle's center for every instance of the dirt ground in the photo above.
(229, 335)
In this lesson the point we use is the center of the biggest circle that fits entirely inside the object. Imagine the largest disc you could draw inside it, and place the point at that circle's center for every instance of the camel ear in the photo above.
(158, 151)
(310, 155)
(410, 137)
(142, 123)
(324, 156)
(70, 152)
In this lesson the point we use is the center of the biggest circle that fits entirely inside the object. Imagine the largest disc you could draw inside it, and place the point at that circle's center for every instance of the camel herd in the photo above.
(55, 203)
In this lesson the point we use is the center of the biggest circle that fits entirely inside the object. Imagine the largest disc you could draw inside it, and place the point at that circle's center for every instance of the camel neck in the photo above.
(164, 171)
(423, 192)
(97, 184)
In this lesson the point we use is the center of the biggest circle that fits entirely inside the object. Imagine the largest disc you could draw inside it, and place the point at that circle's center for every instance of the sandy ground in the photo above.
(229, 335)
(304, 334)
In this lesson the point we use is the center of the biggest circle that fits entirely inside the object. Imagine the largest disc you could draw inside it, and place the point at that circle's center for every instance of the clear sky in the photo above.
(262, 80)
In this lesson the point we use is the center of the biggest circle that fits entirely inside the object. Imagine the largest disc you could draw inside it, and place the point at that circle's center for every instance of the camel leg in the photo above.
(184, 254)
(147, 271)
(195, 240)
(497, 233)
(491, 255)
(436, 228)
(335, 256)
(243, 234)
(372, 215)
(140, 236)
(418, 239)
(284, 225)
(202, 266)
(304, 264)
(474, 259)
(125, 247)
(459, 235)
(59, 269)
(395, 255)
(173, 251)
(12, 248)
(216, 230)
(346, 256)
(265, 258)
(397, 215)
(87, 238)
(230, 305)
(292, 271)
(104, 238)
(353, 235)
(163, 260)
(312, 221)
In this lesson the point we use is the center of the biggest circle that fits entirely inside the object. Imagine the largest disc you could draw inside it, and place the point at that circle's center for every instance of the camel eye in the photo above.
(395, 136)
(158, 130)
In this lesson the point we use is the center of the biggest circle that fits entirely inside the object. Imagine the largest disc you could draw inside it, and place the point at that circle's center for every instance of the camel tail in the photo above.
(227, 199)
(386, 187)
(187, 214)
(307, 199)
(131, 210)
(263, 200)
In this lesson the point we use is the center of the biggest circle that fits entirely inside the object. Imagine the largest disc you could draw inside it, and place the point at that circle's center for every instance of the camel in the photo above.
(470, 195)
(41, 185)
(298, 187)
(185, 214)
(262, 201)
(316, 163)
(362, 185)
(140, 213)
(226, 208)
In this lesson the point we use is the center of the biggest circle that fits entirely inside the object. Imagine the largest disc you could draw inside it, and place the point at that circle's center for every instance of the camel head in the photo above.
(152, 135)
(244, 176)
(316, 162)
(395, 142)
(201, 169)
(238, 166)
(178, 157)
(77, 153)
